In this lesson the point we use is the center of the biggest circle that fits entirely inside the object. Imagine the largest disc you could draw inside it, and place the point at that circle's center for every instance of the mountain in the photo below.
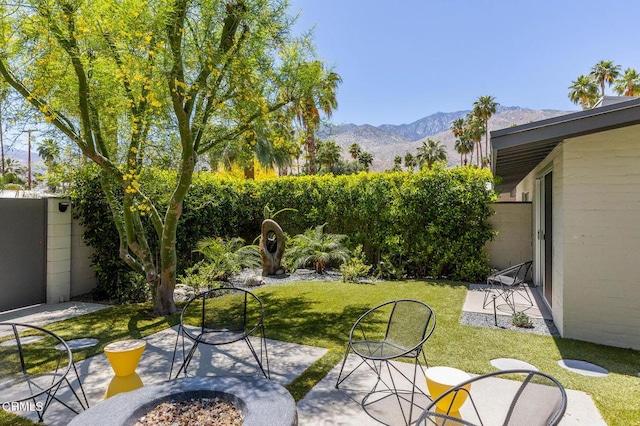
(433, 124)
(388, 140)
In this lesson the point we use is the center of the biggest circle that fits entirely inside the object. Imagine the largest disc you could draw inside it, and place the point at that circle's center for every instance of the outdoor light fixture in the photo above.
(62, 207)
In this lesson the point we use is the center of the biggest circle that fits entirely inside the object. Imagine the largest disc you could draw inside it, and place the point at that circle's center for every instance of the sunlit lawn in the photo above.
(322, 313)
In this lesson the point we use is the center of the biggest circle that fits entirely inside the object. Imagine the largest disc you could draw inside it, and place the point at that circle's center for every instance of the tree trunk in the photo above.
(486, 138)
(1, 143)
(249, 171)
(311, 151)
(164, 304)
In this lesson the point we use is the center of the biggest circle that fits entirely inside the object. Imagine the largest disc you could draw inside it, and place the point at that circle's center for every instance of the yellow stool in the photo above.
(440, 380)
(124, 357)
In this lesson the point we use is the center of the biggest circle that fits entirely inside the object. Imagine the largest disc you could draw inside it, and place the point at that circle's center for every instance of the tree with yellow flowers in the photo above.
(120, 78)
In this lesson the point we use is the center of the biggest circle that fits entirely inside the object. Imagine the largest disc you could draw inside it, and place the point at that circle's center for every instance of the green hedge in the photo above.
(432, 223)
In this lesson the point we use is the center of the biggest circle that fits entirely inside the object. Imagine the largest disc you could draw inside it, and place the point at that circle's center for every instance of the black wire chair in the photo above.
(508, 283)
(35, 364)
(409, 323)
(539, 400)
(220, 317)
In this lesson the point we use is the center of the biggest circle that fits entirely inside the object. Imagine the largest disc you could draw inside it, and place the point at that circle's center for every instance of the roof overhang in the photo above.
(516, 151)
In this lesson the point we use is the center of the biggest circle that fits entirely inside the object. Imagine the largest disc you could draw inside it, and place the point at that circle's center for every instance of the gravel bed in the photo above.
(540, 326)
(298, 275)
(195, 412)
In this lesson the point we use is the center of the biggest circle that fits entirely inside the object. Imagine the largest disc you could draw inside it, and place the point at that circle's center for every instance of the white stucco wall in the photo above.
(602, 237)
(512, 243)
(596, 235)
(58, 251)
(83, 277)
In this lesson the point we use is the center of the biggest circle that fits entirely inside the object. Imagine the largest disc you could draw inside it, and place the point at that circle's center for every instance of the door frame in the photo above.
(543, 256)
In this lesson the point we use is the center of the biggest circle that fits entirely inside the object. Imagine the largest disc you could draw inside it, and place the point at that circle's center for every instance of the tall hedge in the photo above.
(433, 222)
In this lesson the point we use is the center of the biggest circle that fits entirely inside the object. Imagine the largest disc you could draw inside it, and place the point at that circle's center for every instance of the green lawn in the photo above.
(322, 313)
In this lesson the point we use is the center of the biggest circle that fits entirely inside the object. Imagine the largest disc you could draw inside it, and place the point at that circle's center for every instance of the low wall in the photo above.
(83, 277)
(513, 243)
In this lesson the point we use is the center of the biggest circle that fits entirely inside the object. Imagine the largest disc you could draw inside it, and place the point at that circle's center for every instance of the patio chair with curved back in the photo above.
(407, 326)
(34, 365)
(538, 400)
(220, 317)
(508, 283)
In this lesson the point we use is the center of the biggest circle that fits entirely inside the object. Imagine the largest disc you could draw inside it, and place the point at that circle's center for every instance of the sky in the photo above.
(402, 60)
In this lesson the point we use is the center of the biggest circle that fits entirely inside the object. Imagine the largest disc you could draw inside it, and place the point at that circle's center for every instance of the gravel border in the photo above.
(298, 275)
(540, 326)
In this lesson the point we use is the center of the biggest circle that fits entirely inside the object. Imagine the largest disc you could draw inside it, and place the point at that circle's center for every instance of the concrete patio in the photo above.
(323, 405)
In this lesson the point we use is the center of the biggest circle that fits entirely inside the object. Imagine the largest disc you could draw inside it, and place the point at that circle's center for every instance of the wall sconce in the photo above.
(62, 207)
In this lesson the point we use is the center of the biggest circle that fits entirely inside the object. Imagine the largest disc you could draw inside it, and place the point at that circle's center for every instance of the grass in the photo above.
(321, 314)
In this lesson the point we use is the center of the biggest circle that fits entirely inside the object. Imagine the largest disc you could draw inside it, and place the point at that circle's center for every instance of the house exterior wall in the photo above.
(596, 235)
(602, 237)
(512, 243)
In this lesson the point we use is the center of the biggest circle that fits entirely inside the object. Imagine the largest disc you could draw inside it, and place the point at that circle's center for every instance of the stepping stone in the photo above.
(77, 344)
(582, 367)
(511, 364)
(23, 341)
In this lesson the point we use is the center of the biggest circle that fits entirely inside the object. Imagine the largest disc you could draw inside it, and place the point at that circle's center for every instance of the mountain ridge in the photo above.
(386, 141)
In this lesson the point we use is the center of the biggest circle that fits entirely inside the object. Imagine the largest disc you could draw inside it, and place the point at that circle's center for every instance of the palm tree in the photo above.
(584, 91)
(49, 151)
(605, 72)
(321, 97)
(484, 108)
(628, 84)
(14, 171)
(329, 153)
(429, 152)
(355, 150)
(317, 248)
(409, 161)
(474, 129)
(365, 159)
(397, 164)
(464, 146)
(457, 128)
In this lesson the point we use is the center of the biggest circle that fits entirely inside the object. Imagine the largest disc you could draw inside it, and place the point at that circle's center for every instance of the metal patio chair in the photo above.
(508, 283)
(220, 317)
(34, 365)
(539, 400)
(409, 323)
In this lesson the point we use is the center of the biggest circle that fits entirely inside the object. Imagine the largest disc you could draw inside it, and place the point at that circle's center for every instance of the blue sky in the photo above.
(405, 59)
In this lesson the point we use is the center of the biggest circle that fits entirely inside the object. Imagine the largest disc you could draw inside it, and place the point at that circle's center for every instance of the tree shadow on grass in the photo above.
(294, 319)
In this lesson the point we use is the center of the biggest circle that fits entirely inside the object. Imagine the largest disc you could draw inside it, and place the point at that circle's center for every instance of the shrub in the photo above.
(355, 267)
(429, 223)
(522, 320)
(223, 258)
(314, 247)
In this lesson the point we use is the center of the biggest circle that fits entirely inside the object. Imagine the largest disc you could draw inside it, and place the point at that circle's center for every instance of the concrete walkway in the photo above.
(47, 313)
(323, 405)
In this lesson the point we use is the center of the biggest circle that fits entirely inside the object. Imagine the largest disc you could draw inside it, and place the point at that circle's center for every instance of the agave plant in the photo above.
(314, 247)
(224, 258)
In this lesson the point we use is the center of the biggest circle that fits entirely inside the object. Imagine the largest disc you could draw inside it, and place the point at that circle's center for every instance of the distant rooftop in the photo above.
(610, 100)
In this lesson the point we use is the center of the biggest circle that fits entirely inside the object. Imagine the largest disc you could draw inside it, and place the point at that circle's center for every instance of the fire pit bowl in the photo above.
(261, 401)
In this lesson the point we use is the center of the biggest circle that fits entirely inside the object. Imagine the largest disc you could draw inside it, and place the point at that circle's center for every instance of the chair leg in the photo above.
(263, 344)
(488, 291)
(81, 388)
(344, 361)
(175, 349)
